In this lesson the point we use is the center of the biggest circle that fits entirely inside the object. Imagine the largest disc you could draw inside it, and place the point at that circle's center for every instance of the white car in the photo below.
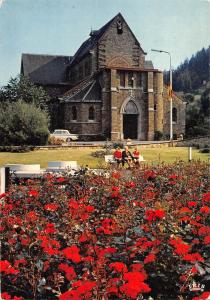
(64, 135)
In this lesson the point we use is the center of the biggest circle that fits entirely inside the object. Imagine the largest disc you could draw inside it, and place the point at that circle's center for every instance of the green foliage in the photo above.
(197, 116)
(20, 88)
(189, 78)
(191, 74)
(119, 144)
(23, 124)
(16, 149)
(205, 150)
(205, 101)
(158, 135)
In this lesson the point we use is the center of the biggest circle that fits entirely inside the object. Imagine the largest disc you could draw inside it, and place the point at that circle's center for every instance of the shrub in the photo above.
(100, 153)
(120, 145)
(158, 135)
(55, 141)
(137, 235)
(205, 150)
(16, 149)
(23, 124)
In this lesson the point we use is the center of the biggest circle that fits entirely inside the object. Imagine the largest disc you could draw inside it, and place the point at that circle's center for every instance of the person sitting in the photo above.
(136, 155)
(118, 156)
(127, 157)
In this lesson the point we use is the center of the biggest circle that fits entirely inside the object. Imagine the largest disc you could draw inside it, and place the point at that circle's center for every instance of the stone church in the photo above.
(107, 89)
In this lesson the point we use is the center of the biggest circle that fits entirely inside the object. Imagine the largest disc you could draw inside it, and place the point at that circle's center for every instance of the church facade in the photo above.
(107, 88)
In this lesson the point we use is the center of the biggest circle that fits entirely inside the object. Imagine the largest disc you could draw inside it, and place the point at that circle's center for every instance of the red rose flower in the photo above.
(149, 258)
(5, 267)
(193, 257)
(192, 203)
(72, 253)
(118, 267)
(51, 207)
(5, 296)
(33, 193)
(132, 290)
(207, 240)
(182, 249)
(69, 270)
(205, 209)
(70, 295)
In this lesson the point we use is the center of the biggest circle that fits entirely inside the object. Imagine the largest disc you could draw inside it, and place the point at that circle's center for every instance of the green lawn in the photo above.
(83, 157)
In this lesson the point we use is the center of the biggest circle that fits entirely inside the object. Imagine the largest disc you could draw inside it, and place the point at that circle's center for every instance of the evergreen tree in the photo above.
(20, 88)
(191, 74)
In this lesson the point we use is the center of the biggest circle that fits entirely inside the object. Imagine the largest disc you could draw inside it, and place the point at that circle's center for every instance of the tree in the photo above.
(197, 116)
(23, 124)
(191, 74)
(20, 88)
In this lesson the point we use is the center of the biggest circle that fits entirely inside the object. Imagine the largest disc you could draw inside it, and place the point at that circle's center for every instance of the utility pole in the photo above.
(170, 92)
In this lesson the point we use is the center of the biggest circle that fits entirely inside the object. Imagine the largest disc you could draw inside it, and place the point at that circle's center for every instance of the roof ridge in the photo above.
(53, 55)
(94, 38)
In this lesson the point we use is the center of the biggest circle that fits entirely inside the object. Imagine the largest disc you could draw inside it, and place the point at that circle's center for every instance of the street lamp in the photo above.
(170, 92)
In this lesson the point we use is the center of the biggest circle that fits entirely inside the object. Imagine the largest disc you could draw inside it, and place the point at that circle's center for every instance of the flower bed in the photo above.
(141, 234)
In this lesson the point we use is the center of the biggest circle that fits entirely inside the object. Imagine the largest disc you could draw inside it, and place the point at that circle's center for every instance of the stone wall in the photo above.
(119, 49)
(179, 124)
(82, 125)
(81, 69)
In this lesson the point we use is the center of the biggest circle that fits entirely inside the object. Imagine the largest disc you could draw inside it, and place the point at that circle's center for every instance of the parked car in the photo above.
(64, 135)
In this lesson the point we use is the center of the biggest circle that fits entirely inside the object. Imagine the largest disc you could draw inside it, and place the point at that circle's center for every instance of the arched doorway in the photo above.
(130, 121)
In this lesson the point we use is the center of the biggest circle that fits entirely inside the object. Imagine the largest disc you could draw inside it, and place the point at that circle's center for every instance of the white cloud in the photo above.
(1, 2)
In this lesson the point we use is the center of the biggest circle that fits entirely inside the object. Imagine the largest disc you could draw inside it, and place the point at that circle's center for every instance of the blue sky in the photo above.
(181, 27)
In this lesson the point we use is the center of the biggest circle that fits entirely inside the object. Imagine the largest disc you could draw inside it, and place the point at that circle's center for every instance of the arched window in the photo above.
(91, 115)
(131, 108)
(174, 114)
(74, 113)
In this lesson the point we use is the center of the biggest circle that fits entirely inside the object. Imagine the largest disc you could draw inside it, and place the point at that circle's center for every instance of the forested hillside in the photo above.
(192, 73)
(192, 78)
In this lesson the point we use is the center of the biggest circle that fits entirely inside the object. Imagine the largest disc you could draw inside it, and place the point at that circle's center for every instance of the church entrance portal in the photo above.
(130, 126)
(130, 121)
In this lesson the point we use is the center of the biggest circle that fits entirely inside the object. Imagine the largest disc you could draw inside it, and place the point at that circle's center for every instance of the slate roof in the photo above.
(91, 42)
(45, 69)
(87, 90)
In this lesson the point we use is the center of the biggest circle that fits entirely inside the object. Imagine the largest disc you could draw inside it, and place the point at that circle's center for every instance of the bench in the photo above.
(60, 166)
(25, 171)
(110, 159)
(141, 158)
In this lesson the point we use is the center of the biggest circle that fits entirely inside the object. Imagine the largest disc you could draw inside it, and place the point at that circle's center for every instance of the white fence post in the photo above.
(190, 153)
(4, 179)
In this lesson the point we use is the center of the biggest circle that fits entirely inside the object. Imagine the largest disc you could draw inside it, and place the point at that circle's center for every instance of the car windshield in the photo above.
(61, 132)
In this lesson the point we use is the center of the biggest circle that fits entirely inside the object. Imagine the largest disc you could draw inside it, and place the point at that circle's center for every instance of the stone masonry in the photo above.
(110, 90)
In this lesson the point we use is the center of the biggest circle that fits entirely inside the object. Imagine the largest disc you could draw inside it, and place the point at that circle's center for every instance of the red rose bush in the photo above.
(141, 234)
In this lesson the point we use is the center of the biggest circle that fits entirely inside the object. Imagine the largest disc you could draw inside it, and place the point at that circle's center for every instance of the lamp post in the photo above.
(170, 92)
